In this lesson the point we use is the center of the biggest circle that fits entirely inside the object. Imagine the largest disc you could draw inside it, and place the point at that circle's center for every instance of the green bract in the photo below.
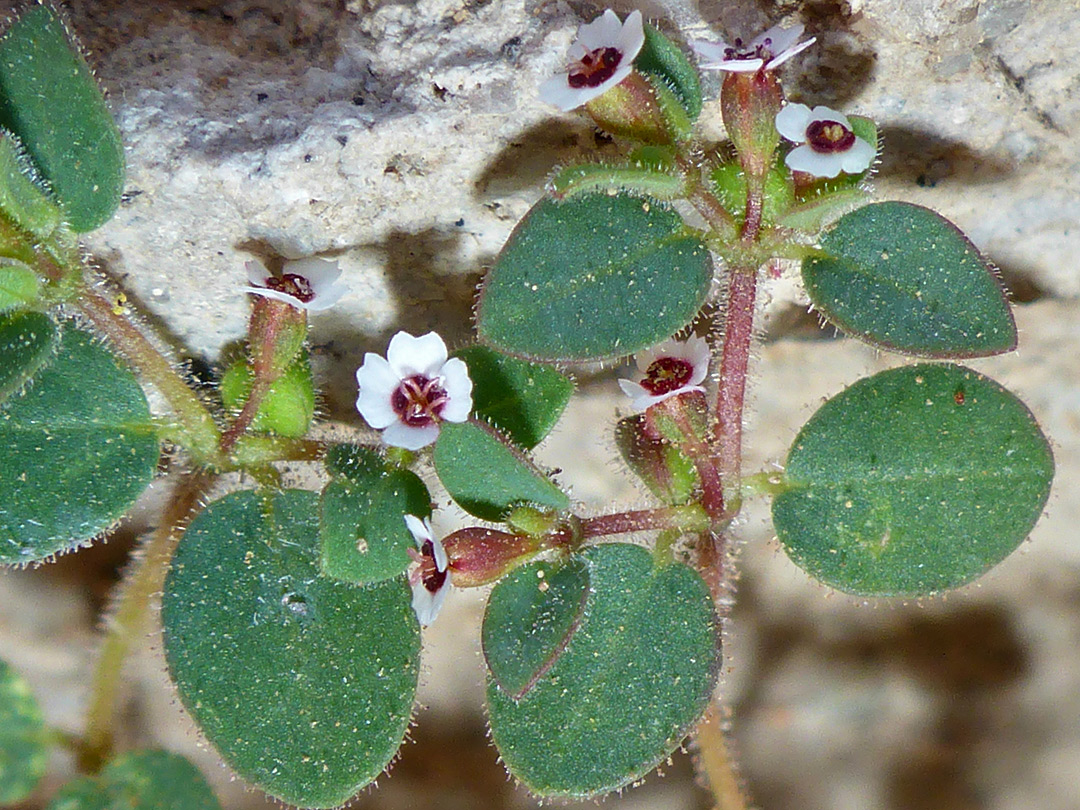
(24, 752)
(50, 101)
(77, 447)
(593, 278)
(913, 481)
(523, 400)
(529, 620)
(304, 684)
(362, 532)
(486, 476)
(634, 678)
(902, 277)
(139, 780)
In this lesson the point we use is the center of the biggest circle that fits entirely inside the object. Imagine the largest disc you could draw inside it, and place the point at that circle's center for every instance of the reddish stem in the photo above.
(643, 520)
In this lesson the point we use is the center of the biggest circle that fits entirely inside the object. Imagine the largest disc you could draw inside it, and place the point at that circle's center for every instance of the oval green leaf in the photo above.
(28, 340)
(663, 59)
(362, 532)
(24, 750)
(77, 447)
(904, 278)
(22, 196)
(530, 617)
(139, 780)
(304, 684)
(593, 278)
(633, 680)
(487, 477)
(51, 102)
(913, 481)
(523, 400)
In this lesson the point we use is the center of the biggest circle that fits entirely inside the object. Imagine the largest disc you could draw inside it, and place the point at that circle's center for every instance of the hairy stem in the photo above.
(128, 619)
(715, 763)
(731, 392)
(198, 432)
(681, 518)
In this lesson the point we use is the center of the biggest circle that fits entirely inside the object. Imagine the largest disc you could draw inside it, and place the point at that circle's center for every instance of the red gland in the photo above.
(829, 136)
(291, 284)
(667, 374)
(418, 401)
(594, 68)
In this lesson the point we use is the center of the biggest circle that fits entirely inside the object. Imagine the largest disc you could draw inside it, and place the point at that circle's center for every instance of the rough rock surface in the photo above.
(405, 139)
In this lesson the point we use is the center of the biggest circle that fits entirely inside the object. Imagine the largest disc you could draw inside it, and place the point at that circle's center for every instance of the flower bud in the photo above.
(479, 556)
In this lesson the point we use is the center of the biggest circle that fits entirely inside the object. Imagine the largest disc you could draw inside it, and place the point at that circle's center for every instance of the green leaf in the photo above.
(28, 340)
(593, 278)
(19, 285)
(362, 532)
(530, 617)
(51, 102)
(901, 277)
(22, 196)
(523, 400)
(304, 684)
(662, 58)
(24, 752)
(488, 477)
(635, 677)
(913, 481)
(641, 179)
(77, 447)
(139, 780)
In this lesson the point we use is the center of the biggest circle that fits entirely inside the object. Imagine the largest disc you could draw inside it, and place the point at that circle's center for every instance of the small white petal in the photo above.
(737, 65)
(787, 53)
(631, 39)
(458, 386)
(377, 383)
(427, 604)
(792, 121)
(858, 158)
(603, 32)
(442, 562)
(420, 529)
(818, 164)
(401, 435)
(557, 92)
(782, 38)
(698, 354)
(257, 273)
(412, 356)
(638, 395)
(828, 114)
(277, 295)
(318, 272)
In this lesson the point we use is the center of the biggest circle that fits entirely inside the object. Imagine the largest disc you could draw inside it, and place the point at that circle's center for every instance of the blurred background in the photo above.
(405, 139)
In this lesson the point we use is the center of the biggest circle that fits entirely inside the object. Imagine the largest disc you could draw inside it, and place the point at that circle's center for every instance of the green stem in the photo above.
(127, 623)
(687, 518)
(197, 431)
(765, 483)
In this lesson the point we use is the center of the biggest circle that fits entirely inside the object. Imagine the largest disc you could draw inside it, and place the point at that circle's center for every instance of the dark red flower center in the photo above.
(667, 374)
(430, 575)
(829, 136)
(594, 68)
(738, 50)
(418, 401)
(291, 284)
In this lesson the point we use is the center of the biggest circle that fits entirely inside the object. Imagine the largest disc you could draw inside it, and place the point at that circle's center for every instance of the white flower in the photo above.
(427, 573)
(672, 368)
(602, 56)
(828, 144)
(310, 284)
(768, 51)
(415, 388)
